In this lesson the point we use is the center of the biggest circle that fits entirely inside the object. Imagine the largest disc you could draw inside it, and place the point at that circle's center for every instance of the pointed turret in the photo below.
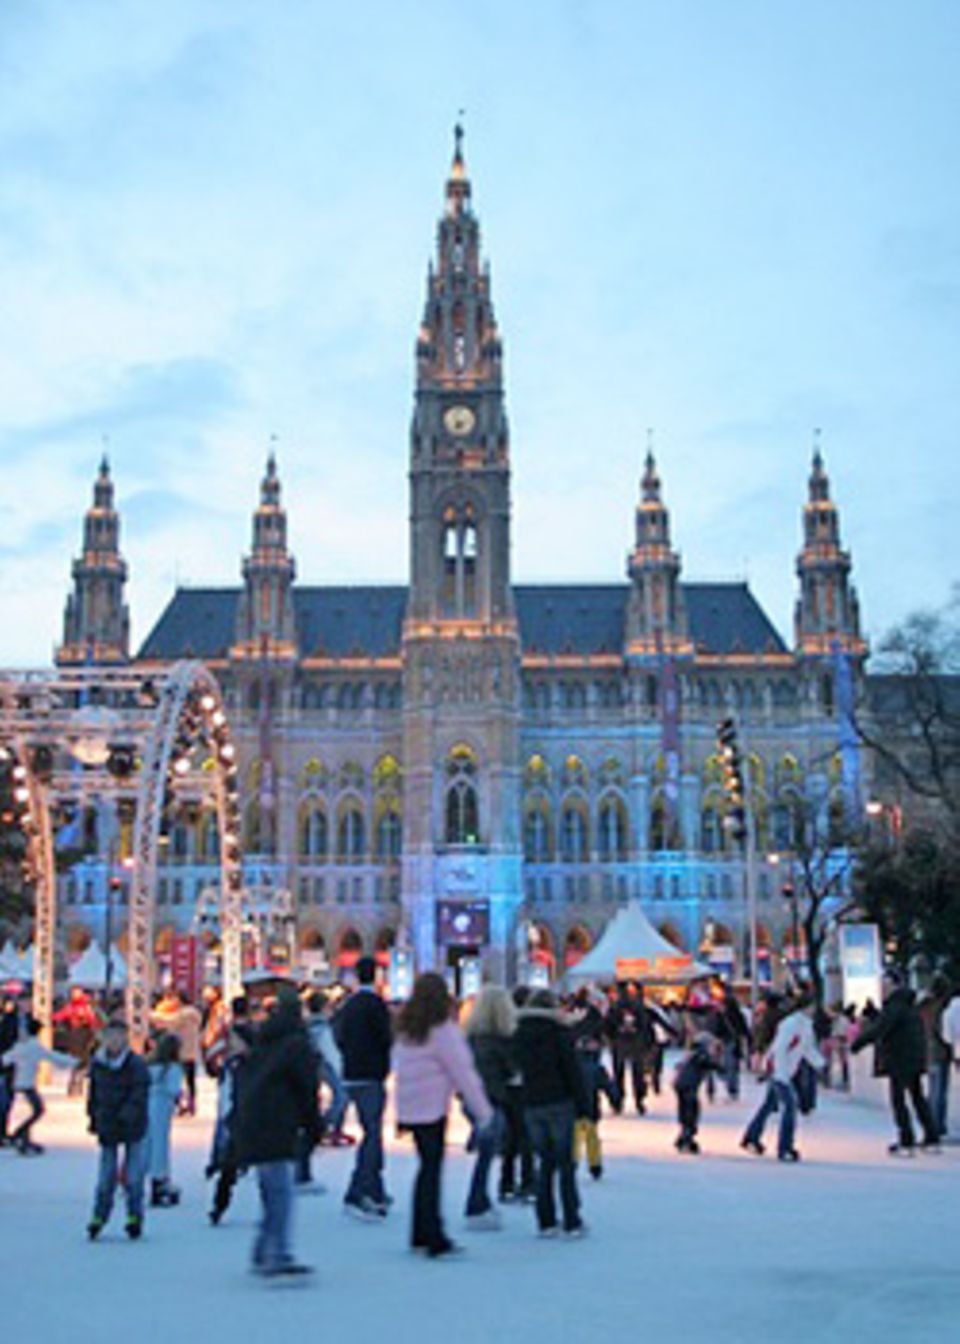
(460, 476)
(656, 620)
(96, 625)
(265, 618)
(827, 613)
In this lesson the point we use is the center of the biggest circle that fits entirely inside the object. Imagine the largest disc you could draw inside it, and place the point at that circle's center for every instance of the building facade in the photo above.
(478, 767)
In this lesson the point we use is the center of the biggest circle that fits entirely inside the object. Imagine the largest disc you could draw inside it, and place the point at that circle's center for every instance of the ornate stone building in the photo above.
(479, 766)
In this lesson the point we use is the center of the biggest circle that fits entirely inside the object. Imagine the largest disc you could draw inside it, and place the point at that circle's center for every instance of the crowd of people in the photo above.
(530, 1071)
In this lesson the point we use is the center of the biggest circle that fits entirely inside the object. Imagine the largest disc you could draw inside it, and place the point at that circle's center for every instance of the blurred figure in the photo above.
(80, 1021)
(706, 1054)
(586, 1023)
(489, 1030)
(277, 1099)
(630, 1028)
(900, 1055)
(516, 1139)
(224, 1162)
(182, 1020)
(166, 1085)
(793, 1041)
(117, 1111)
(932, 1007)
(432, 1060)
(320, 1030)
(734, 1036)
(25, 1058)
(554, 1098)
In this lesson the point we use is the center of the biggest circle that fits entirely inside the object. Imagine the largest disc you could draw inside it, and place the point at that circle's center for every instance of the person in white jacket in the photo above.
(25, 1058)
(793, 1042)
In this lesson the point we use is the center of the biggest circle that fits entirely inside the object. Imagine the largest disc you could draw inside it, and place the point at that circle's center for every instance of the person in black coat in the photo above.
(632, 1036)
(118, 1115)
(898, 1035)
(276, 1103)
(554, 1098)
(363, 1034)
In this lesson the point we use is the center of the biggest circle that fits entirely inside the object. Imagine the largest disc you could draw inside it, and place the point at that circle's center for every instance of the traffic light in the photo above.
(733, 785)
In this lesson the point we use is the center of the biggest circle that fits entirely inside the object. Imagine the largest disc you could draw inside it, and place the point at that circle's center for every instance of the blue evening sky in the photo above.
(730, 220)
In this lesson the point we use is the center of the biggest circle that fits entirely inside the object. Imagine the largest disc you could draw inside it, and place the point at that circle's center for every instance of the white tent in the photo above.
(90, 970)
(631, 949)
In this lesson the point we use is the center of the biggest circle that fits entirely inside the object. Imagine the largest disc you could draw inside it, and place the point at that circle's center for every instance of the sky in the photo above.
(728, 221)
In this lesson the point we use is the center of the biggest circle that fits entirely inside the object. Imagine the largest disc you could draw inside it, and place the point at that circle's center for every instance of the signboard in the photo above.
(400, 975)
(653, 968)
(861, 965)
(463, 923)
(187, 956)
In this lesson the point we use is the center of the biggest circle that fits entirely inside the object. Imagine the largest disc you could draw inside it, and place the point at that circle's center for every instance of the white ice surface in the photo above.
(849, 1245)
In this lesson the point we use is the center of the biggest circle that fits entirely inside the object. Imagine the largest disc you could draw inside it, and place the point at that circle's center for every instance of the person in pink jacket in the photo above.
(431, 1061)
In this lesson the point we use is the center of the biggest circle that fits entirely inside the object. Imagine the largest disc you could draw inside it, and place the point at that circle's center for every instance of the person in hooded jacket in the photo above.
(901, 1055)
(276, 1100)
(118, 1116)
(554, 1098)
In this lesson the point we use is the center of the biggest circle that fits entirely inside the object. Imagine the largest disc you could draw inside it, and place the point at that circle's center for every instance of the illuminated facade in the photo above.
(477, 766)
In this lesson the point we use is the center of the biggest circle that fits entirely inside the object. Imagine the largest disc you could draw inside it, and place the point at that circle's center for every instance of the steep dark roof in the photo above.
(367, 621)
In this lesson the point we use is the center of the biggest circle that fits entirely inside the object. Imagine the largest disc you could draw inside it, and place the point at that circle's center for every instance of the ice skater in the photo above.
(793, 1042)
(166, 1084)
(705, 1057)
(25, 1058)
(117, 1112)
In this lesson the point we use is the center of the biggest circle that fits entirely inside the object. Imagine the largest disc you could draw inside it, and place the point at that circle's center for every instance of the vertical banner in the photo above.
(847, 736)
(186, 965)
(670, 745)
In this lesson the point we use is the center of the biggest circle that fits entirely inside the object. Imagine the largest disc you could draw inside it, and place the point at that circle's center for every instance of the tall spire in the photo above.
(827, 613)
(265, 615)
(656, 620)
(96, 625)
(458, 183)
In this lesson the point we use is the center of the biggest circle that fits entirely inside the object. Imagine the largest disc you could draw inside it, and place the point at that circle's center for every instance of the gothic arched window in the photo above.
(389, 835)
(574, 832)
(462, 817)
(312, 841)
(537, 837)
(461, 548)
(351, 833)
(612, 830)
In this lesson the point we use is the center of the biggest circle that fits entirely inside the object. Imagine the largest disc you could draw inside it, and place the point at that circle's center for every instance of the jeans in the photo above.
(516, 1146)
(134, 1171)
(190, 1078)
(780, 1097)
(367, 1179)
(161, 1109)
(900, 1088)
(33, 1099)
(688, 1113)
(271, 1246)
(939, 1092)
(805, 1083)
(551, 1135)
(488, 1144)
(339, 1099)
(427, 1231)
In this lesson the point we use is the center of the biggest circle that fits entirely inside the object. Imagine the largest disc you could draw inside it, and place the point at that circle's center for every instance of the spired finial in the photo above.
(272, 456)
(817, 455)
(105, 455)
(458, 138)
(651, 481)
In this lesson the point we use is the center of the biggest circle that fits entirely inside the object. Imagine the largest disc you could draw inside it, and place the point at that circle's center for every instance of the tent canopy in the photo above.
(633, 946)
(90, 970)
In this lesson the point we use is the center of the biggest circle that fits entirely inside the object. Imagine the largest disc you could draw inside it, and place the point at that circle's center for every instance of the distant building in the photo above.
(485, 767)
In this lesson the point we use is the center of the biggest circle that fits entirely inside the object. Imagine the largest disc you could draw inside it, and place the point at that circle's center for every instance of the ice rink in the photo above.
(847, 1245)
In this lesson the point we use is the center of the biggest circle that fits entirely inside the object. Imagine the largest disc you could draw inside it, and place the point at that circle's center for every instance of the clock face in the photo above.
(459, 419)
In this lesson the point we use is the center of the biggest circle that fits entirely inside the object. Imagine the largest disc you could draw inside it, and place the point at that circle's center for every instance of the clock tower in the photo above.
(461, 647)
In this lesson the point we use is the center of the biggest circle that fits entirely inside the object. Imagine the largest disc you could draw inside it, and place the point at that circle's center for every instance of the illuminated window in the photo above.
(462, 819)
